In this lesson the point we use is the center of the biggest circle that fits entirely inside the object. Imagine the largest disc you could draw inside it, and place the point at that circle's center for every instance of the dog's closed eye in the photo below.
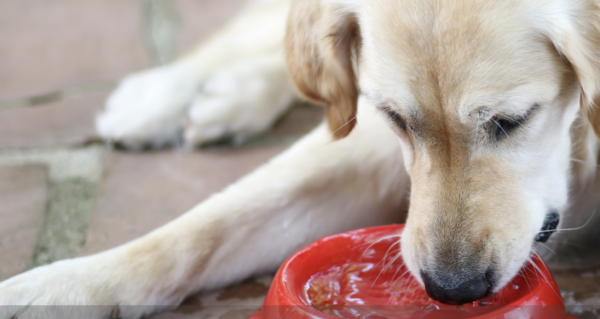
(502, 126)
(397, 119)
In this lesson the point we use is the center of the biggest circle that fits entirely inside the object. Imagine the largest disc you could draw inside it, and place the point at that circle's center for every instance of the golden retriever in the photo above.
(486, 110)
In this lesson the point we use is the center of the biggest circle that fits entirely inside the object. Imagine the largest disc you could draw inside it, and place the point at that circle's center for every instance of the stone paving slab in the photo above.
(235, 302)
(580, 290)
(66, 122)
(48, 45)
(200, 18)
(23, 195)
(300, 120)
(141, 191)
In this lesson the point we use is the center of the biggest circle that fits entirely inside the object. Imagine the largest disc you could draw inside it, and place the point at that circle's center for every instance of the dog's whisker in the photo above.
(537, 270)
(581, 161)
(409, 283)
(365, 119)
(500, 126)
(384, 257)
(400, 277)
(521, 273)
(565, 242)
(378, 240)
(546, 246)
(341, 127)
(571, 229)
(388, 265)
(384, 269)
(371, 243)
(540, 272)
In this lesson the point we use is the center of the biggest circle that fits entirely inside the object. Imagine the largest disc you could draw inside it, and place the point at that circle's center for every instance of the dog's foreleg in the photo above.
(316, 188)
(234, 84)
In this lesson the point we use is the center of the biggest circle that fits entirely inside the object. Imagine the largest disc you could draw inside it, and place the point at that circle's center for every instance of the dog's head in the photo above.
(483, 96)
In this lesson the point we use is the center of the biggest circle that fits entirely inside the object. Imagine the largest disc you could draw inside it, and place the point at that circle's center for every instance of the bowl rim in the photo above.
(290, 295)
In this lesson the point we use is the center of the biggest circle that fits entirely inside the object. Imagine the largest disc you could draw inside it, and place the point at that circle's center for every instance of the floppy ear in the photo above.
(577, 37)
(592, 114)
(321, 45)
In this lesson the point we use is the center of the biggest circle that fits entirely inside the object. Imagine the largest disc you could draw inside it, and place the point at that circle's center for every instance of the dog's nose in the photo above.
(456, 287)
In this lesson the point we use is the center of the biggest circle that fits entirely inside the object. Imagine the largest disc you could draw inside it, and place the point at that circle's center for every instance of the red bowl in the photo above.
(360, 274)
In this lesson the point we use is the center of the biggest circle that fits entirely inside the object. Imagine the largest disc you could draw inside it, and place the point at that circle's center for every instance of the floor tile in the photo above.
(66, 122)
(48, 45)
(200, 18)
(23, 194)
(141, 191)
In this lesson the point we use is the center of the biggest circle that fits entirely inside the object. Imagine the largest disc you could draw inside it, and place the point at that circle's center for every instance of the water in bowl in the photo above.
(376, 284)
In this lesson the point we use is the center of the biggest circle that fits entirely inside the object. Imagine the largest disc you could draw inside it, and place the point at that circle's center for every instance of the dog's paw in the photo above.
(239, 101)
(76, 288)
(147, 109)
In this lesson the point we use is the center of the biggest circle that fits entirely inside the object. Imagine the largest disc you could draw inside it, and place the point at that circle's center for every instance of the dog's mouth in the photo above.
(466, 266)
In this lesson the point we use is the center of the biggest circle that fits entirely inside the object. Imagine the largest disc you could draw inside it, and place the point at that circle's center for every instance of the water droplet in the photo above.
(432, 307)
(515, 287)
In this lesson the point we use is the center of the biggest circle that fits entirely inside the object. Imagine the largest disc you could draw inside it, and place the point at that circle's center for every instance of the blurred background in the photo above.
(64, 193)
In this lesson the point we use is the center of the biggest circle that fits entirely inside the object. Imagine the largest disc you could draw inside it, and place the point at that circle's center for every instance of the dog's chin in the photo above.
(505, 278)
(512, 267)
(409, 256)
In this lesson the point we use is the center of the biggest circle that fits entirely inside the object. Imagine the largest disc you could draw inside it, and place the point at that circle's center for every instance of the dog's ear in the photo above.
(592, 114)
(577, 37)
(322, 44)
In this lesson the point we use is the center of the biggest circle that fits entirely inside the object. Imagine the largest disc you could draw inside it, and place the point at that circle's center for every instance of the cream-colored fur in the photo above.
(234, 85)
(449, 69)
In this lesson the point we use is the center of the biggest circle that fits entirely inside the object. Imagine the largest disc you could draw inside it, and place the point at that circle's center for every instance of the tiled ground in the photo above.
(23, 194)
(52, 46)
(63, 194)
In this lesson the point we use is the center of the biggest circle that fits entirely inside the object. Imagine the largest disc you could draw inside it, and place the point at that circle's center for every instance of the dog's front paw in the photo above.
(238, 101)
(147, 108)
(77, 288)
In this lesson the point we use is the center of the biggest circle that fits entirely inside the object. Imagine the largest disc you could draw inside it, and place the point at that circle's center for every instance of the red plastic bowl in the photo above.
(365, 261)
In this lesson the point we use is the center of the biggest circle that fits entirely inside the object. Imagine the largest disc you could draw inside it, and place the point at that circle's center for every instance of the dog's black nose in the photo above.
(456, 288)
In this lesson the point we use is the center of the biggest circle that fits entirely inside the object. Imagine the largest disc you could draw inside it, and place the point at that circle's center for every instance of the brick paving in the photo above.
(64, 195)
(140, 192)
(49, 46)
(235, 302)
(23, 197)
(64, 122)
(214, 14)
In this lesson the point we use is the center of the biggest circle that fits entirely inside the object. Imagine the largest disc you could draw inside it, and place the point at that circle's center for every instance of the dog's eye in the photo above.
(502, 127)
(398, 120)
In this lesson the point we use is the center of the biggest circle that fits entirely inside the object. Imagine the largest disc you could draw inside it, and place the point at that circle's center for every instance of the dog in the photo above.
(482, 114)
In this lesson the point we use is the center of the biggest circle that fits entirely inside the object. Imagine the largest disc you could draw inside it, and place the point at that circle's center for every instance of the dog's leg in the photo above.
(317, 187)
(240, 100)
(237, 82)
